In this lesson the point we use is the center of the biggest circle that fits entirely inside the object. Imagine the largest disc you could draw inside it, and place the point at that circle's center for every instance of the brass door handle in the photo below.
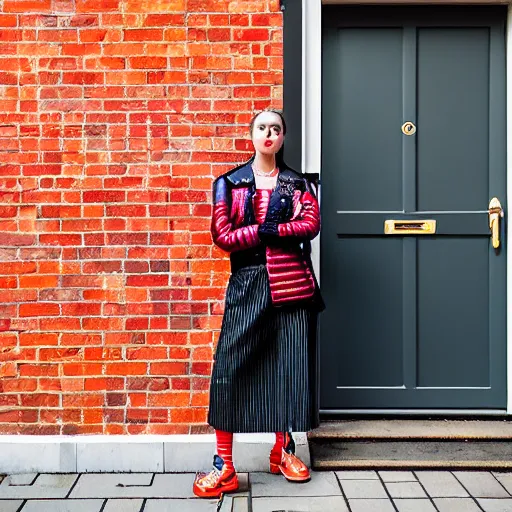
(495, 213)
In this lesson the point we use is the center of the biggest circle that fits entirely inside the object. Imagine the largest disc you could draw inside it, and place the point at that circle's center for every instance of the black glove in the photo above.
(268, 231)
(279, 210)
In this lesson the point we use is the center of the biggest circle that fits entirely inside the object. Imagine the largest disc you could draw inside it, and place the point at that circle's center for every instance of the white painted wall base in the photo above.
(134, 454)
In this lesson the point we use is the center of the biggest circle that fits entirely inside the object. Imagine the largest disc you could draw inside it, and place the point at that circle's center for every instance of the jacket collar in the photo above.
(243, 175)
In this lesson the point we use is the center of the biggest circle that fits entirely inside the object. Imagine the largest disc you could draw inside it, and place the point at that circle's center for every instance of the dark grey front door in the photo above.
(412, 321)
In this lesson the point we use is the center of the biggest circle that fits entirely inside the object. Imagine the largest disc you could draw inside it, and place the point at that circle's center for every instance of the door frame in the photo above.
(303, 44)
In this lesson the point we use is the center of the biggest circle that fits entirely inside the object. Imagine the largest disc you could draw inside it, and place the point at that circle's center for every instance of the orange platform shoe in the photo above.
(284, 461)
(219, 480)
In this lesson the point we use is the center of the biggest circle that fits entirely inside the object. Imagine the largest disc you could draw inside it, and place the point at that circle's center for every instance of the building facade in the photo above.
(116, 116)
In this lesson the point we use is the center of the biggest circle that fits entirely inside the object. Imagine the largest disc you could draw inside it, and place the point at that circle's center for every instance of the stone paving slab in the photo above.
(170, 505)
(243, 485)
(63, 506)
(363, 505)
(321, 484)
(397, 476)
(10, 505)
(142, 485)
(45, 486)
(239, 504)
(363, 489)
(366, 491)
(405, 490)
(481, 484)
(123, 505)
(505, 479)
(441, 484)
(304, 504)
(357, 475)
(21, 479)
(456, 505)
(496, 505)
(414, 505)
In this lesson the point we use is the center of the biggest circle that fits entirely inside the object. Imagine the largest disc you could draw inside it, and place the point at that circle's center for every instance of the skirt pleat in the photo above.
(263, 377)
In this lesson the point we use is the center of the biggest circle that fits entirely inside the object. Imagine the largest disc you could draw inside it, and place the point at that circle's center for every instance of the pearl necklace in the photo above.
(268, 174)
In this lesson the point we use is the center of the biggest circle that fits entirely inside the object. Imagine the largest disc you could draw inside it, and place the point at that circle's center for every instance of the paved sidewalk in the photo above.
(330, 491)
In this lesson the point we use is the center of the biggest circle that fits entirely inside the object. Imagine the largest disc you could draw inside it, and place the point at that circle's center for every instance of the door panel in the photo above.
(453, 113)
(453, 312)
(412, 321)
(359, 57)
(361, 301)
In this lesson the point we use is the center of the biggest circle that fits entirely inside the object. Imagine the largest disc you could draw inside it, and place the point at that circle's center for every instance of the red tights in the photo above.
(225, 445)
(280, 441)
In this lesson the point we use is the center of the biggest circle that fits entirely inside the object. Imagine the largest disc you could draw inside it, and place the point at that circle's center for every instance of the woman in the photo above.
(263, 380)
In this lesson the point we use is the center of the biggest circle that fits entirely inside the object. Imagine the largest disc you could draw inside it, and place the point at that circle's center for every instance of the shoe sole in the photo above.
(217, 493)
(297, 479)
(275, 469)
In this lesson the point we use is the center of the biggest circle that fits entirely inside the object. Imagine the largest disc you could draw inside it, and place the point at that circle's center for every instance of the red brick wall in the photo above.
(115, 115)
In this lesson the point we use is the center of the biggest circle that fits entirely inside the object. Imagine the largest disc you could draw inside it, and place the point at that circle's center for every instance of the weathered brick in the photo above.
(42, 309)
(126, 368)
(24, 6)
(116, 118)
(97, 5)
(143, 34)
(147, 62)
(8, 369)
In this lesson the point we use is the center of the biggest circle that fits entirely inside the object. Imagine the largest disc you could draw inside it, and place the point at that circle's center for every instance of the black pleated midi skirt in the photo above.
(264, 372)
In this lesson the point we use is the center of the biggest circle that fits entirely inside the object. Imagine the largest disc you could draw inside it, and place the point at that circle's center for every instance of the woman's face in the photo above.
(267, 133)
